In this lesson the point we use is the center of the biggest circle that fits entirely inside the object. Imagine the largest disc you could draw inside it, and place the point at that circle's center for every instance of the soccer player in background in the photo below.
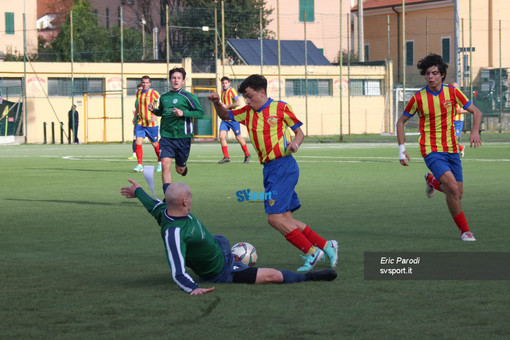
(177, 108)
(138, 88)
(458, 121)
(435, 106)
(230, 99)
(189, 244)
(146, 124)
(268, 124)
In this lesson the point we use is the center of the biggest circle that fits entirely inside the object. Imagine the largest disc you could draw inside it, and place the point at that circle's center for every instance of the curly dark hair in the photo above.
(178, 69)
(255, 81)
(432, 60)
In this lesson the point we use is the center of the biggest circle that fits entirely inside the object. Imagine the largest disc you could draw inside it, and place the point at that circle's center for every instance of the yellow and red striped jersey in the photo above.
(144, 99)
(229, 96)
(436, 111)
(268, 128)
(458, 115)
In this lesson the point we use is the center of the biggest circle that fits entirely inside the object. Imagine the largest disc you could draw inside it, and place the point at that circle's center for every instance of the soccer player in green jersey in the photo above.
(177, 108)
(189, 244)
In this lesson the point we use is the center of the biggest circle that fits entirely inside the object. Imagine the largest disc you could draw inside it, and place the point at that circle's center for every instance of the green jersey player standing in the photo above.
(177, 108)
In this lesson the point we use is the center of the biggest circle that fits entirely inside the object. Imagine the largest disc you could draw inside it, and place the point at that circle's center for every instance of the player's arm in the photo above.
(299, 137)
(221, 110)
(236, 103)
(474, 137)
(402, 153)
(195, 110)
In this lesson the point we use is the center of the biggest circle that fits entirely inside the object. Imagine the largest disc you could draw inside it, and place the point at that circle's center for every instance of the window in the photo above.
(9, 23)
(365, 87)
(62, 86)
(445, 49)
(308, 7)
(316, 87)
(367, 52)
(158, 84)
(409, 53)
(11, 87)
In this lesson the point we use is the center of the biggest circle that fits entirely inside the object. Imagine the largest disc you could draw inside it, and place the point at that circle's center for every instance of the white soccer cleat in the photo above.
(467, 236)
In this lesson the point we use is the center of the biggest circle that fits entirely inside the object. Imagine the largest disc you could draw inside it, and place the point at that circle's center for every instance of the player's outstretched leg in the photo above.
(323, 275)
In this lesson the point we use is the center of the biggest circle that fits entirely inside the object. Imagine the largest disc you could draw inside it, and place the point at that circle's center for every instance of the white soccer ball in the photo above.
(245, 252)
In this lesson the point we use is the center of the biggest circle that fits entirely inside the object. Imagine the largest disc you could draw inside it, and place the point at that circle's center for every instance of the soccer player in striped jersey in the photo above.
(435, 106)
(269, 123)
(230, 99)
(146, 124)
(138, 88)
(177, 109)
(189, 244)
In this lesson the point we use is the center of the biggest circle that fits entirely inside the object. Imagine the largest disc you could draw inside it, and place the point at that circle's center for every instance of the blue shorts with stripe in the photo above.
(151, 132)
(176, 148)
(280, 179)
(441, 162)
(231, 124)
(231, 266)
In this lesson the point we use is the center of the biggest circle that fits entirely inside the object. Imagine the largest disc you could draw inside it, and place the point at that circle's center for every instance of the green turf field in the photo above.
(79, 261)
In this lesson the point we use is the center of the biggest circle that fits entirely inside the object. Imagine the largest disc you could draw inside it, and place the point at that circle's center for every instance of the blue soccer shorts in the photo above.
(441, 162)
(176, 148)
(459, 124)
(151, 132)
(280, 179)
(235, 126)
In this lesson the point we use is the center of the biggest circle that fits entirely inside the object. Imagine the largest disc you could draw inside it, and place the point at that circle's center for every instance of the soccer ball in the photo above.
(245, 253)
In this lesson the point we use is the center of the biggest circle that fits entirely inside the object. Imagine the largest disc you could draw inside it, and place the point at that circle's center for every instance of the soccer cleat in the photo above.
(247, 159)
(467, 236)
(132, 157)
(159, 167)
(311, 260)
(331, 251)
(461, 150)
(323, 275)
(224, 160)
(138, 168)
(185, 172)
(429, 189)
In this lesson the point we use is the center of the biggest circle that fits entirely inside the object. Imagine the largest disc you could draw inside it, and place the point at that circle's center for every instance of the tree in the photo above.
(186, 17)
(94, 43)
(90, 41)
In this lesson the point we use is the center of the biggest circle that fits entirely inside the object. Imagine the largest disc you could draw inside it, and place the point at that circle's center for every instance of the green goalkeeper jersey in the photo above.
(178, 127)
(187, 244)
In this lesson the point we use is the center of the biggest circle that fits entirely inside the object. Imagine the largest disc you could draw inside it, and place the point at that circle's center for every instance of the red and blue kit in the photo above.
(268, 128)
(436, 111)
(144, 98)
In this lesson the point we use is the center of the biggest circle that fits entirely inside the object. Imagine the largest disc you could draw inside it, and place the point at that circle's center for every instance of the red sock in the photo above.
(245, 149)
(139, 153)
(313, 237)
(432, 181)
(460, 221)
(225, 151)
(298, 240)
(156, 148)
